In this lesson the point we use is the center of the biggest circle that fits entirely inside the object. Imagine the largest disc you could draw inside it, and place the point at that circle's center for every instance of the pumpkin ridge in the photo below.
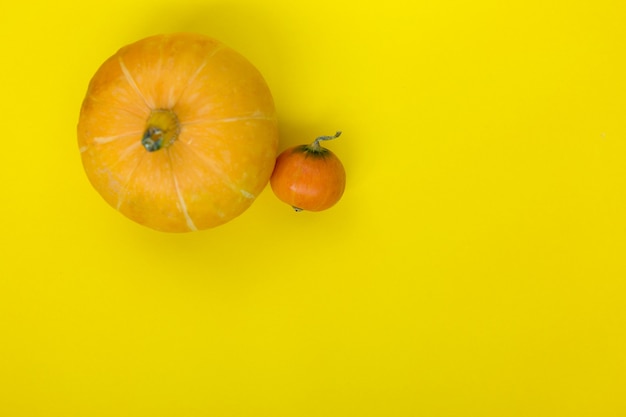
(102, 140)
(179, 194)
(133, 146)
(97, 99)
(132, 83)
(229, 119)
(219, 172)
(124, 189)
(197, 72)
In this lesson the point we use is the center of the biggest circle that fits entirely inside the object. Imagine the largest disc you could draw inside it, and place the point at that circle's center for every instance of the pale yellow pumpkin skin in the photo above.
(223, 133)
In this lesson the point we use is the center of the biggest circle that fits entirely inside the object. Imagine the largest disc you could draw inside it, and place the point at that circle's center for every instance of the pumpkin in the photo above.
(309, 177)
(178, 132)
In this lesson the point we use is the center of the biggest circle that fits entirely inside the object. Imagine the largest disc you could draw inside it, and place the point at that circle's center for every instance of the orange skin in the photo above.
(178, 132)
(309, 177)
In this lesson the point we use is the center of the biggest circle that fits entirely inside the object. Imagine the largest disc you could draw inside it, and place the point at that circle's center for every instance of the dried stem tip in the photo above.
(315, 146)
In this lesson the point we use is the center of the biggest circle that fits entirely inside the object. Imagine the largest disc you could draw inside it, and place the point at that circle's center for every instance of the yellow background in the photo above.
(475, 266)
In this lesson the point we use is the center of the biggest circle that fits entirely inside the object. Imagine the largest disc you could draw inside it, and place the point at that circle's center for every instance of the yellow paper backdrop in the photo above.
(475, 266)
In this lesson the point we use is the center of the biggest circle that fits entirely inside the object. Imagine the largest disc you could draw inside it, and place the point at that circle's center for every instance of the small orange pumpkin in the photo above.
(178, 132)
(309, 177)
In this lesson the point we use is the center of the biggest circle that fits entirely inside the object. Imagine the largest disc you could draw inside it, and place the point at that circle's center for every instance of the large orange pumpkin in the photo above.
(178, 132)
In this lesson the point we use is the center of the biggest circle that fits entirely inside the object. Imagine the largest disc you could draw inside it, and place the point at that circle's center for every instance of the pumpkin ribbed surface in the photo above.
(178, 132)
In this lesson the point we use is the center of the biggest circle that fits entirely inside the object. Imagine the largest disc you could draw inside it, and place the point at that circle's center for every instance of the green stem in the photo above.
(162, 129)
(315, 146)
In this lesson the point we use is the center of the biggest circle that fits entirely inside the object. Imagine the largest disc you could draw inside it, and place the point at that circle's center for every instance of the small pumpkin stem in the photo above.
(315, 146)
(162, 129)
(152, 139)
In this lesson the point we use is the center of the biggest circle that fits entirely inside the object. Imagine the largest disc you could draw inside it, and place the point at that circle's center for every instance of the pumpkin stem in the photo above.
(315, 146)
(162, 129)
